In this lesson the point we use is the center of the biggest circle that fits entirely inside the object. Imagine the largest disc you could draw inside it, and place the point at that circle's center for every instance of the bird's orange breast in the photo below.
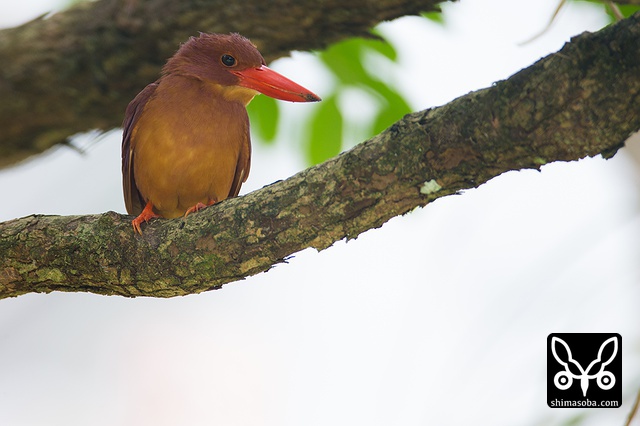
(191, 145)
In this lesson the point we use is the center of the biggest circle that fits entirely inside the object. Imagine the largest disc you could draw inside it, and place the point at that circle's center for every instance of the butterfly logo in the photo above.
(595, 370)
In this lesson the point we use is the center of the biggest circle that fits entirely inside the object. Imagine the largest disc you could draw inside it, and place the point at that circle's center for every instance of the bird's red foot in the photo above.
(146, 215)
(199, 207)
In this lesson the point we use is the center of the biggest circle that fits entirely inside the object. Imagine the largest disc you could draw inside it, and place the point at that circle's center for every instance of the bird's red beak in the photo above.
(270, 83)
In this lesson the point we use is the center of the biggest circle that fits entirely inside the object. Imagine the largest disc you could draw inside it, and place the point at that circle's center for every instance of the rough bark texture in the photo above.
(582, 101)
(77, 70)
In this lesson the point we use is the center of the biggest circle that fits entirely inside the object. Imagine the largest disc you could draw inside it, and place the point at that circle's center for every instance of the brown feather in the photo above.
(133, 200)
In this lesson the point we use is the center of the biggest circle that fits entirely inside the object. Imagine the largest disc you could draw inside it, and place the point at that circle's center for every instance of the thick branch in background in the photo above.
(582, 101)
(78, 69)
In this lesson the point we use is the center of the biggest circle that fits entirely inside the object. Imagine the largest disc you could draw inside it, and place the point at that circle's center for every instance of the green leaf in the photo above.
(344, 60)
(434, 17)
(394, 110)
(381, 46)
(393, 106)
(325, 140)
(264, 115)
(626, 9)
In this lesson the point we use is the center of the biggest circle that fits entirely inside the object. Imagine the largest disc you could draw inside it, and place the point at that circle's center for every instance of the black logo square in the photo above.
(584, 370)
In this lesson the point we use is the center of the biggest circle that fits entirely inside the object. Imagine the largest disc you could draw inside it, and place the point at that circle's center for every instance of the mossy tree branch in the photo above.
(581, 101)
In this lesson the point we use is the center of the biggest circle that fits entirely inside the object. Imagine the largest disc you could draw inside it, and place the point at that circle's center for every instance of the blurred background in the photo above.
(439, 317)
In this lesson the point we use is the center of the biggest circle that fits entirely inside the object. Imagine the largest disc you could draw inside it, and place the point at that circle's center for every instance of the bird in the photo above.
(186, 142)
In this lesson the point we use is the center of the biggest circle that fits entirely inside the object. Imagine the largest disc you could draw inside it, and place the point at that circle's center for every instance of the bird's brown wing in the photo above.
(133, 200)
(242, 168)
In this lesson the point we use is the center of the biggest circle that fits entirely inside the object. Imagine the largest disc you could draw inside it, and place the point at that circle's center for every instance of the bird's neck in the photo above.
(238, 94)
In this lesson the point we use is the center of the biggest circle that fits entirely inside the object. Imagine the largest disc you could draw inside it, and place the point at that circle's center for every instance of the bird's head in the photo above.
(233, 63)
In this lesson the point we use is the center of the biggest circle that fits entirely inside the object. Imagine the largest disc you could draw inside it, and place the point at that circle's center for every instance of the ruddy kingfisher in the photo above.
(186, 142)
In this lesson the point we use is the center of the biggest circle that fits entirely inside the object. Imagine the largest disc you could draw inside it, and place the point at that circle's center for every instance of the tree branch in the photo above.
(78, 69)
(582, 101)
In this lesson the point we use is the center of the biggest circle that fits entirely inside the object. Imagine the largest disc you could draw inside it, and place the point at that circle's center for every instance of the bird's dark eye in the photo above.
(228, 60)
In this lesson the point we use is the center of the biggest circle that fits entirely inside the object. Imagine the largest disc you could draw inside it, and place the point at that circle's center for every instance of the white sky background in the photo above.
(440, 317)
